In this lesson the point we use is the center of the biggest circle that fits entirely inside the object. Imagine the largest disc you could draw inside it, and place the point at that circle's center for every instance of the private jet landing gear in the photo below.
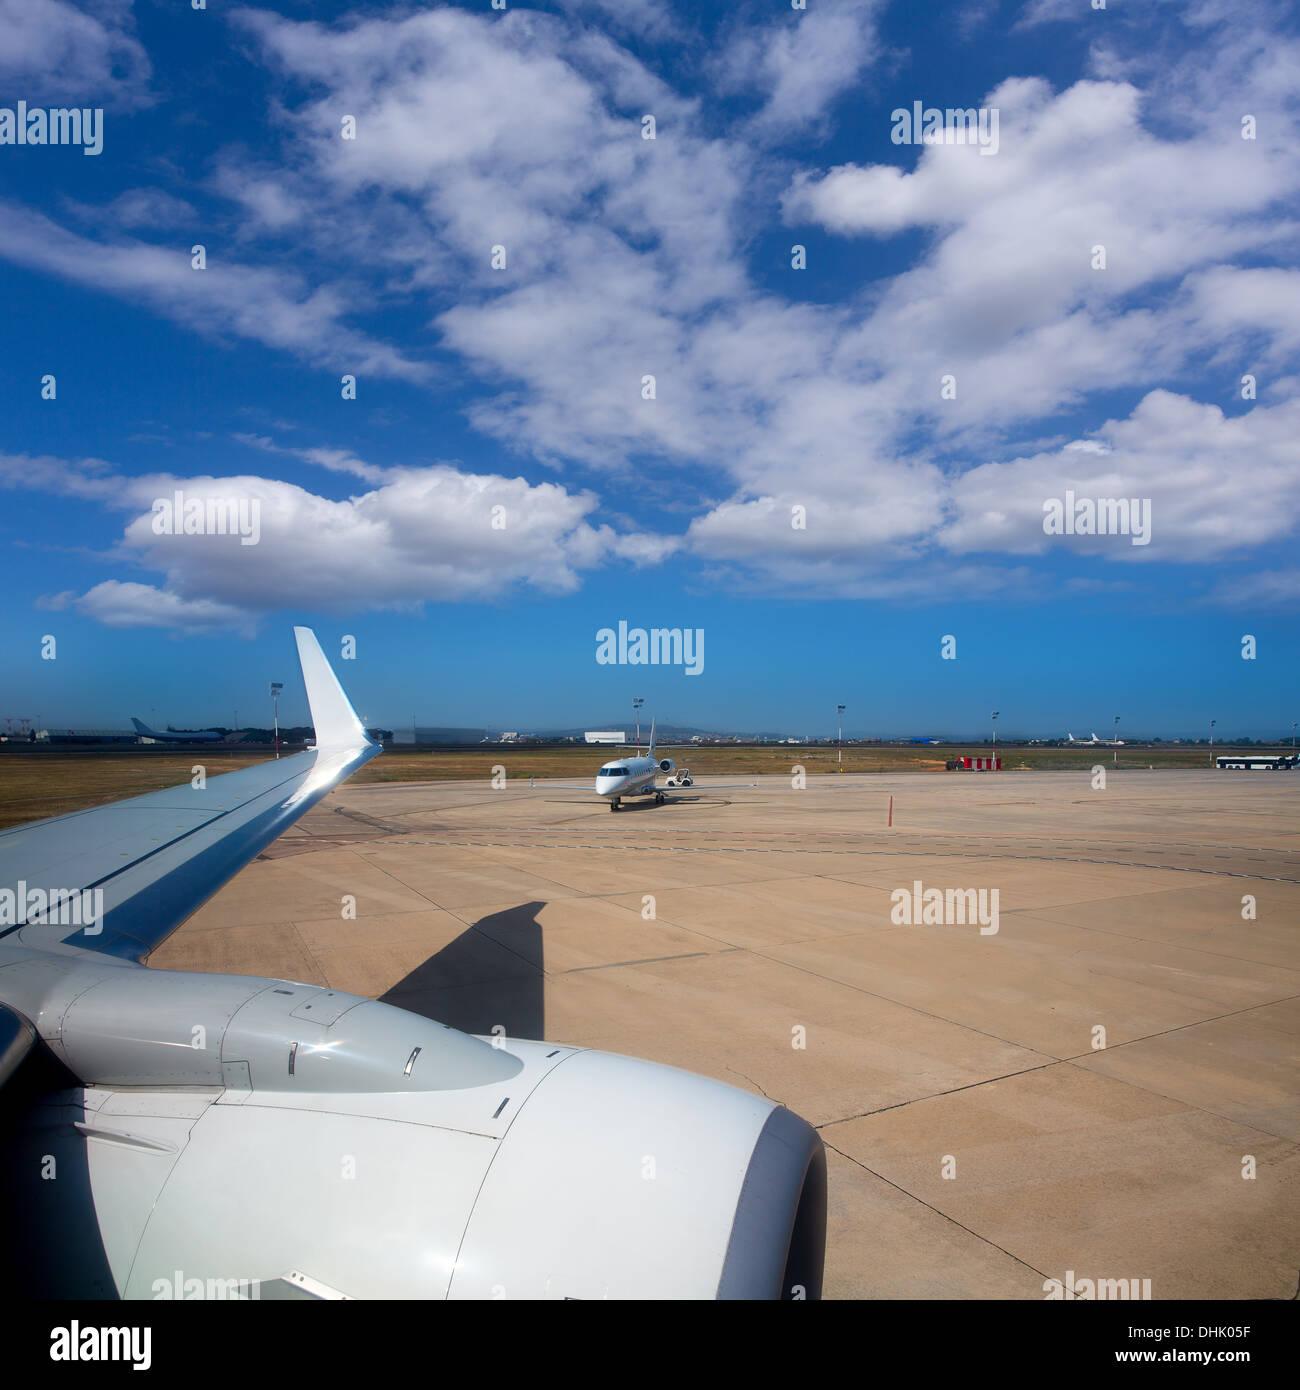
(659, 798)
(613, 805)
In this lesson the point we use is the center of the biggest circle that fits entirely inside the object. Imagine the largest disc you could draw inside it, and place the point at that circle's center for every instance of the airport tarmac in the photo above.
(981, 1141)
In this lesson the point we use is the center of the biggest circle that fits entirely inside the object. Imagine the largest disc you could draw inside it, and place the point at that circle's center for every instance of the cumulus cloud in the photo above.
(1191, 462)
(626, 262)
(118, 604)
(422, 535)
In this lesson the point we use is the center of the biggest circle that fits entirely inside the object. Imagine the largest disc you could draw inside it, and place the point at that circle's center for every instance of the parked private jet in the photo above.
(639, 776)
(295, 1142)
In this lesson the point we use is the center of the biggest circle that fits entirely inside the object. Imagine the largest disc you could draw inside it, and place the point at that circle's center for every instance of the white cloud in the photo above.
(627, 258)
(139, 207)
(650, 19)
(1036, 12)
(271, 306)
(87, 53)
(118, 604)
(1266, 589)
(1218, 485)
(1238, 307)
(421, 535)
(624, 263)
(802, 63)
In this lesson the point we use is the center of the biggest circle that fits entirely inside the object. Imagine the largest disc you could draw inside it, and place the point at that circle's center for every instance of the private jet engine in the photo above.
(177, 1135)
(667, 765)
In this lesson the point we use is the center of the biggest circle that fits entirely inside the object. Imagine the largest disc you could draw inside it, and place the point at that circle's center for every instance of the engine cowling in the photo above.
(667, 765)
(323, 1145)
(687, 1188)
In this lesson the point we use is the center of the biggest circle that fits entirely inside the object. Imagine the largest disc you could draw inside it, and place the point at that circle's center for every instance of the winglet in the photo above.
(335, 721)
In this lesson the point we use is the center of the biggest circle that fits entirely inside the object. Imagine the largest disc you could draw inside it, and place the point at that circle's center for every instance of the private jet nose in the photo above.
(610, 779)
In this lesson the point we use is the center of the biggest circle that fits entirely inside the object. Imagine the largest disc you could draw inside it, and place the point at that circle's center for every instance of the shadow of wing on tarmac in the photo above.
(491, 975)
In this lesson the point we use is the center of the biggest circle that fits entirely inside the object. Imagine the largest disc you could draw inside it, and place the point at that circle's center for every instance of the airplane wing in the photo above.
(157, 858)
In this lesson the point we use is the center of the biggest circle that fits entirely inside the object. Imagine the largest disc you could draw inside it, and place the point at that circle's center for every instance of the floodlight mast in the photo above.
(276, 688)
(637, 702)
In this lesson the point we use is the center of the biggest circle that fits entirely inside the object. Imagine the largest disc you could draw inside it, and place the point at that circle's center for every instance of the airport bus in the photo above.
(1270, 762)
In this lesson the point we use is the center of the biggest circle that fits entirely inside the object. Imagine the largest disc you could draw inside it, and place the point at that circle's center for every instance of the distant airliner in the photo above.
(1103, 742)
(178, 736)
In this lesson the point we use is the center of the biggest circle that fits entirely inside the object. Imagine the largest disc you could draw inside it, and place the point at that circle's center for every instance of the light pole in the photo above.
(839, 716)
(1114, 738)
(636, 709)
(1213, 722)
(276, 688)
(995, 738)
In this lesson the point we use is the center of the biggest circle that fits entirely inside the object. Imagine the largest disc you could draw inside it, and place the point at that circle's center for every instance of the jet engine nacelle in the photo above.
(322, 1145)
(667, 765)
(616, 1179)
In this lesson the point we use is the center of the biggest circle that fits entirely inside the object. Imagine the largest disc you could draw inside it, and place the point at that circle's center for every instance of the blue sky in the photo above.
(815, 392)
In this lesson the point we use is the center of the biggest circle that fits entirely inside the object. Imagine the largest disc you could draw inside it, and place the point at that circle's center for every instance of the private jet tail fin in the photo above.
(332, 715)
(651, 753)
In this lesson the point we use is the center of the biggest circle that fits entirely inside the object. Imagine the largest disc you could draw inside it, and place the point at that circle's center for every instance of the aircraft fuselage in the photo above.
(627, 777)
